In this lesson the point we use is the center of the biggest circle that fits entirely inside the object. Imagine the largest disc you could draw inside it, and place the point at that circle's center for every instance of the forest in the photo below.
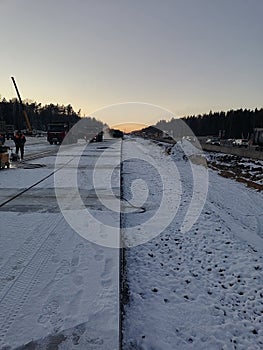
(238, 123)
(39, 116)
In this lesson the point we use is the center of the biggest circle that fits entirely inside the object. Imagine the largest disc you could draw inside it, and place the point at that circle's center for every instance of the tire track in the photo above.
(17, 294)
(22, 271)
(30, 262)
(17, 261)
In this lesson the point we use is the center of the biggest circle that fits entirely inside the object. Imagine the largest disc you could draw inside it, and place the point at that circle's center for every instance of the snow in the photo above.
(54, 283)
(33, 145)
(248, 170)
(194, 247)
(200, 289)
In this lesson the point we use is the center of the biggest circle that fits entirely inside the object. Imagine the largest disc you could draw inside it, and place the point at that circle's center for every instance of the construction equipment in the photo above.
(57, 132)
(9, 131)
(29, 128)
(4, 157)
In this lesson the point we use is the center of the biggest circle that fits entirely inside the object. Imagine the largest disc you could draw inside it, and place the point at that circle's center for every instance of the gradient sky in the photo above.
(189, 56)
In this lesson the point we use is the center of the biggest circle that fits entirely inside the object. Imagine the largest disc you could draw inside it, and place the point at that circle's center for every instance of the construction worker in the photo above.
(20, 141)
(2, 139)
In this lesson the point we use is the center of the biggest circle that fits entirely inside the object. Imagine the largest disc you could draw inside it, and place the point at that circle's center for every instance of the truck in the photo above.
(9, 131)
(56, 133)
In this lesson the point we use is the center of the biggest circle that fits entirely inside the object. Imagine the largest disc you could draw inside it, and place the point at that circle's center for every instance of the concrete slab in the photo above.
(58, 288)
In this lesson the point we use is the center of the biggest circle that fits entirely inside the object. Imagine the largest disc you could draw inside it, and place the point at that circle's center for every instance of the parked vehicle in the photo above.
(213, 141)
(240, 143)
(57, 132)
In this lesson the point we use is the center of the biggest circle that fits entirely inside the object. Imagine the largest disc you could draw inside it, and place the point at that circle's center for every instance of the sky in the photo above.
(186, 56)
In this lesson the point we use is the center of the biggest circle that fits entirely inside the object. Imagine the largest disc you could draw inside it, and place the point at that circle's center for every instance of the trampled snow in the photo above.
(201, 289)
(194, 267)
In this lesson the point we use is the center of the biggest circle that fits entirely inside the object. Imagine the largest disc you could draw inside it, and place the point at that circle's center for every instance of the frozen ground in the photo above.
(33, 145)
(201, 289)
(56, 288)
(248, 171)
(195, 284)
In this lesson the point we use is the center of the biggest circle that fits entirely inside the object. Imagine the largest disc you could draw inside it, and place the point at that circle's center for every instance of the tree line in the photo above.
(40, 115)
(238, 123)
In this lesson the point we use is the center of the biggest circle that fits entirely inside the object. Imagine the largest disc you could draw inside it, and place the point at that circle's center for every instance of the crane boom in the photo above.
(22, 106)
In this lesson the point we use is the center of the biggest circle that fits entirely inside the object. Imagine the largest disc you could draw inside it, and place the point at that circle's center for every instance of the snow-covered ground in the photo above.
(249, 171)
(33, 145)
(194, 258)
(200, 289)
(56, 287)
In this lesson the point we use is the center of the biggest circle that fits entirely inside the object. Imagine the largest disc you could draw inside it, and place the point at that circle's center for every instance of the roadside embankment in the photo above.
(242, 152)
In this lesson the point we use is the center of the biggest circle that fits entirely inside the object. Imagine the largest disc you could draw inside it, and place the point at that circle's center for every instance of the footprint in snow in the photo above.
(51, 313)
(105, 276)
(78, 280)
(98, 253)
(63, 269)
(107, 268)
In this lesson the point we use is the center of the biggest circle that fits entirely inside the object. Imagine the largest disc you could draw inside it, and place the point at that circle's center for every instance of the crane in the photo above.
(23, 108)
